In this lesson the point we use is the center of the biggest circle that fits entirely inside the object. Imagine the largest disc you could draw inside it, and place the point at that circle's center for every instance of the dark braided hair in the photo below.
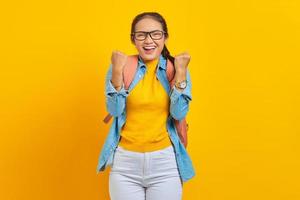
(156, 16)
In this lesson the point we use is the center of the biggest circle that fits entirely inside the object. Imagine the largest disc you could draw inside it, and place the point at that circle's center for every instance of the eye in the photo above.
(139, 34)
(155, 34)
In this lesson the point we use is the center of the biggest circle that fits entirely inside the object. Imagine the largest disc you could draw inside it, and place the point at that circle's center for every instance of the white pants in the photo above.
(145, 176)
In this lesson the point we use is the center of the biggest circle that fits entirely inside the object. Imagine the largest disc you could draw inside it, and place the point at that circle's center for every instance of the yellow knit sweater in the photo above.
(147, 109)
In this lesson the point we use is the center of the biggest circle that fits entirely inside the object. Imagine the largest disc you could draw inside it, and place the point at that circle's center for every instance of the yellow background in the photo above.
(244, 116)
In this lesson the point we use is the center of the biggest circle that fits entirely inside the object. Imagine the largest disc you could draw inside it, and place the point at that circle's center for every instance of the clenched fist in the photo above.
(118, 60)
(181, 61)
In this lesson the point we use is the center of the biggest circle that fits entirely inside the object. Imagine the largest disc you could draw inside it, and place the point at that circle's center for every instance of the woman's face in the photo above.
(149, 49)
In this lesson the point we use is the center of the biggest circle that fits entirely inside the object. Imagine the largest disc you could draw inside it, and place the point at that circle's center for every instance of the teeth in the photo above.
(148, 48)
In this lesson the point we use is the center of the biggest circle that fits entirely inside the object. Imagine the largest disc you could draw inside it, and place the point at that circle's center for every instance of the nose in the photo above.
(148, 39)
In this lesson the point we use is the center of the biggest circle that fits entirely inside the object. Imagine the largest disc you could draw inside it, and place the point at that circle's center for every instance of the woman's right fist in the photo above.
(118, 60)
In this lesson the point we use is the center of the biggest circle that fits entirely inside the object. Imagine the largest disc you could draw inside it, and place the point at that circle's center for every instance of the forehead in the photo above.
(148, 24)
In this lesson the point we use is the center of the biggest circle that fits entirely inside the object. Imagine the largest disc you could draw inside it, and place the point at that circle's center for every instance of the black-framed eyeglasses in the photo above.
(142, 35)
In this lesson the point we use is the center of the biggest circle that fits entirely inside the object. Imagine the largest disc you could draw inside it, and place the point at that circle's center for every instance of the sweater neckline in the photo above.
(151, 63)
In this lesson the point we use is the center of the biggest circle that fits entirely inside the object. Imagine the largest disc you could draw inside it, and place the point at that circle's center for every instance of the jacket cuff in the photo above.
(110, 89)
(175, 94)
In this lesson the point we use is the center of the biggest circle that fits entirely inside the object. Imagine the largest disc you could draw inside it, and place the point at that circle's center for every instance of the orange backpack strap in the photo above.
(129, 71)
(182, 128)
(170, 73)
(107, 118)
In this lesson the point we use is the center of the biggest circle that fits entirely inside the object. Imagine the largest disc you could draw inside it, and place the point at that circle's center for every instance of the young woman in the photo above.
(147, 159)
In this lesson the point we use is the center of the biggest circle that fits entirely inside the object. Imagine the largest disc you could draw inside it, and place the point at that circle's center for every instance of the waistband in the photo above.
(168, 149)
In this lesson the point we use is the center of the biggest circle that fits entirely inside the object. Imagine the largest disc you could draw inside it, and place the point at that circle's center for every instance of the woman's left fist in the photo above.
(181, 61)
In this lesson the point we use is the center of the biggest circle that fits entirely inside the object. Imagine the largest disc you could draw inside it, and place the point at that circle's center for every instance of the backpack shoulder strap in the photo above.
(130, 70)
(170, 72)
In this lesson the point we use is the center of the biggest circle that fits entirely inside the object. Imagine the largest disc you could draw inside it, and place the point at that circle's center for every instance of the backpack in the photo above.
(128, 76)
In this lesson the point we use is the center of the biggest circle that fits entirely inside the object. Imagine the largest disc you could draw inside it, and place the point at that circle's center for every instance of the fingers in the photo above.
(118, 60)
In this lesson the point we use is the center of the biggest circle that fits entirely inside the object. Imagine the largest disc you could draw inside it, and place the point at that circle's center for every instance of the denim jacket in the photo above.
(115, 105)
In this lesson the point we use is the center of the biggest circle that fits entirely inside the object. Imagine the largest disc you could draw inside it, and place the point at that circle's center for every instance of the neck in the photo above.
(151, 61)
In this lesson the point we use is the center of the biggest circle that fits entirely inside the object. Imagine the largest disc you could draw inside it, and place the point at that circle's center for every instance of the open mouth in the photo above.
(149, 50)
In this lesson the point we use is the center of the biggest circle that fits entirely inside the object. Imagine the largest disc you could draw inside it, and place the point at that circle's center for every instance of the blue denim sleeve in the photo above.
(115, 100)
(179, 104)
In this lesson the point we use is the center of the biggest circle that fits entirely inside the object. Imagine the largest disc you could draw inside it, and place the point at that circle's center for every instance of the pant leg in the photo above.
(125, 178)
(163, 181)
(167, 189)
(122, 187)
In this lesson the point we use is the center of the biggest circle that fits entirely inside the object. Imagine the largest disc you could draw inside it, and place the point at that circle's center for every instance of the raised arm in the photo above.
(114, 88)
(180, 98)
